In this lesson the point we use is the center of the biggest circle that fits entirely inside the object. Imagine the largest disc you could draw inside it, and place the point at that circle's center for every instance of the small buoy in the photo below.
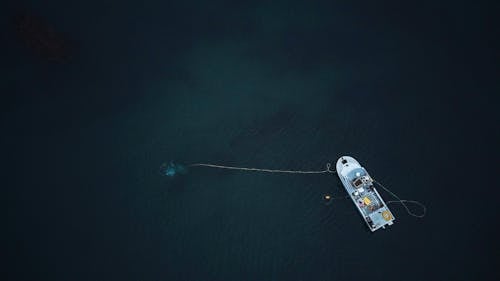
(327, 199)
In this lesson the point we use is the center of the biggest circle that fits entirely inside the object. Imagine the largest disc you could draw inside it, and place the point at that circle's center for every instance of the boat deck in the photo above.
(359, 186)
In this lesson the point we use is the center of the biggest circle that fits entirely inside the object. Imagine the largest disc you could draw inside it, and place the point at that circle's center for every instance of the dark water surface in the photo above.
(407, 89)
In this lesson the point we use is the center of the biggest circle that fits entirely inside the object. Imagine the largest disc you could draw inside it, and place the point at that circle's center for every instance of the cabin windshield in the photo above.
(358, 182)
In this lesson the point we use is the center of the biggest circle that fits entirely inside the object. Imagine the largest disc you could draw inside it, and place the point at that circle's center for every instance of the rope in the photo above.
(403, 202)
(327, 170)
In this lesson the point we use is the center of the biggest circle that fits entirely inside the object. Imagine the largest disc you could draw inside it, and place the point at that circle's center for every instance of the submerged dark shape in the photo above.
(41, 38)
(172, 169)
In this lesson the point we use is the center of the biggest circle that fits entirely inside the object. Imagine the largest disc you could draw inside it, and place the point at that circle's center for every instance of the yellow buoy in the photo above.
(327, 199)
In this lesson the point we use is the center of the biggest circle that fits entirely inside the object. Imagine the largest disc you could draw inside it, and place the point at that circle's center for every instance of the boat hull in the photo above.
(359, 186)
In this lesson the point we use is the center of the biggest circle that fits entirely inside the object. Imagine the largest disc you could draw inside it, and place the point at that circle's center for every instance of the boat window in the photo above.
(358, 182)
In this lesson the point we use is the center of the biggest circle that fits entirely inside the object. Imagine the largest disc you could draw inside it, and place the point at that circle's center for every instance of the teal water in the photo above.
(282, 86)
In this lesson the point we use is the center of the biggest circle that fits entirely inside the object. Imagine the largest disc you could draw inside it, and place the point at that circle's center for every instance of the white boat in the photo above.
(359, 186)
